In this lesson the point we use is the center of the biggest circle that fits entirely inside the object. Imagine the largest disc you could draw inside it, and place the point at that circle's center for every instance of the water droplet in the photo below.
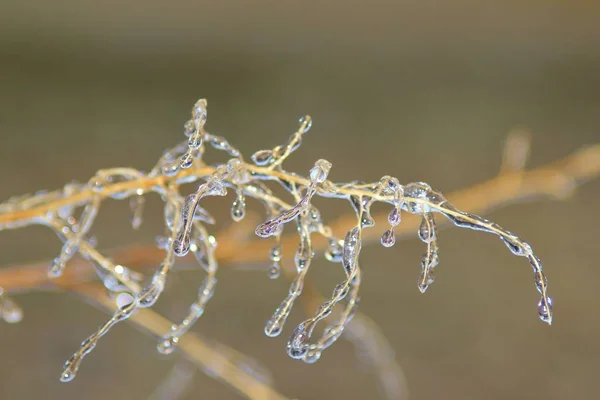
(388, 239)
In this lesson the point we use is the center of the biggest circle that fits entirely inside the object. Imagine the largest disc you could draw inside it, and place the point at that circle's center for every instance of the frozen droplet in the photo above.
(427, 228)
(275, 324)
(302, 257)
(297, 285)
(436, 198)
(186, 160)
(394, 217)
(267, 229)
(351, 248)
(273, 328)
(416, 190)
(67, 375)
(305, 123)
(97, 185)
(275, 253)
(125, 312)
(124, 299)
(325, 309)
(388, 239)
(189, 128)
(274, 271)
(170, 168)
(340, 291)
(238, 208)
(541, 282)
(312, 355)
(199, 112)
(545, 310)
(389, 185)
(298, 342)
(195, 141)
(181, 245)
(426, 278)
(150, 294)
(320, 171)
(367, 220)
(262, 157)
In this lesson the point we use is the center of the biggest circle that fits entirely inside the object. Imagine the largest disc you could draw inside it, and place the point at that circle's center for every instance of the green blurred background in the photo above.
(422, 90)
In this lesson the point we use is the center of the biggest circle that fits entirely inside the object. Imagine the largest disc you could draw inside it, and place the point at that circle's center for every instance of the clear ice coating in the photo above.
(298, 343)
(71, 211)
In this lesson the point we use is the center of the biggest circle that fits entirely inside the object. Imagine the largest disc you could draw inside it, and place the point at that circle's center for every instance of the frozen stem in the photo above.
(185, 230)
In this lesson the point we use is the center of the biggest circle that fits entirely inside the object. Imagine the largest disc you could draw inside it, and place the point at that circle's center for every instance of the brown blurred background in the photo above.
(423, 90)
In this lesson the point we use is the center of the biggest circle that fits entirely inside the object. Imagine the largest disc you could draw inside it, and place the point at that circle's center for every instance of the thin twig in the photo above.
(555, 180)
(191, 346)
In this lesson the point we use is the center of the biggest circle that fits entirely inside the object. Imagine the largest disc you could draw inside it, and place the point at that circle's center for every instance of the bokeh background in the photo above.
(423, 90)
